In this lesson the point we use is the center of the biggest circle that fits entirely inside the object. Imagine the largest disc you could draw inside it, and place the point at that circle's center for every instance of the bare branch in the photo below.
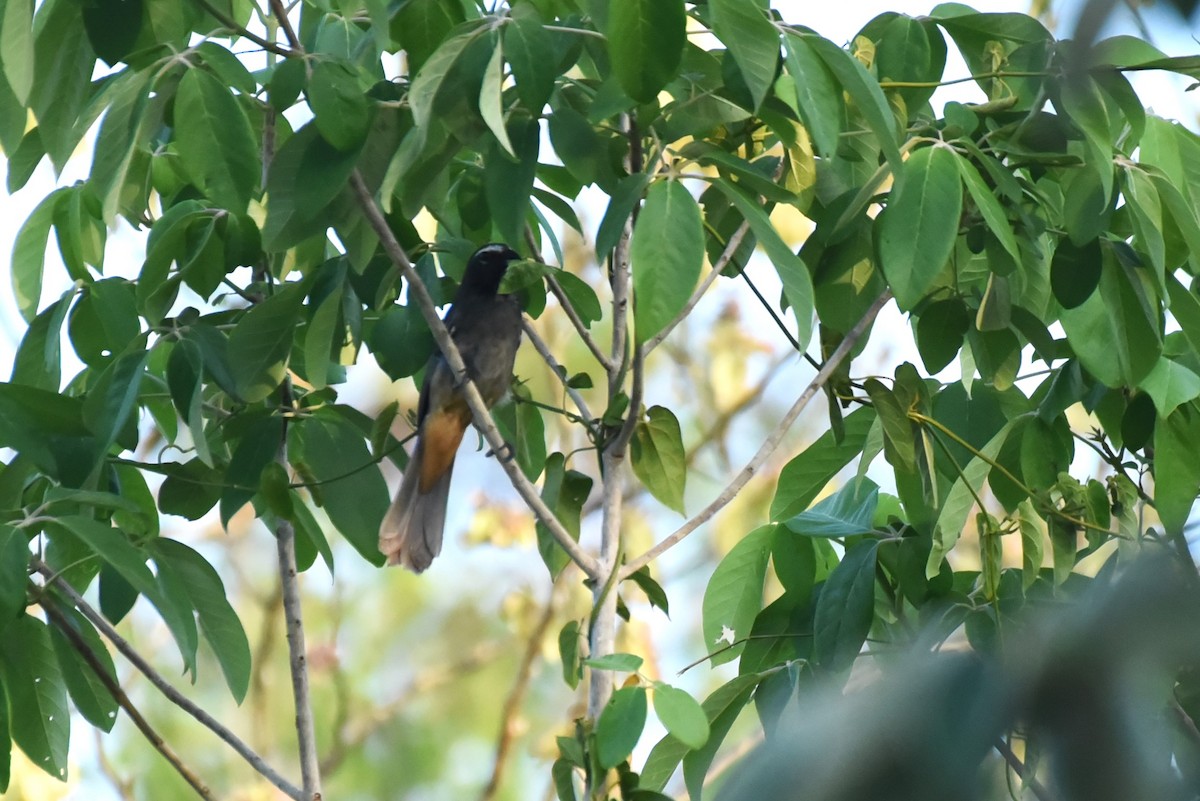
(769, 445)
(479, 411)
(310, 769)
(286, 24)
(1018, 767)
(512, 704)
(154, 738)
(241, 30)
(173, 695)
(544, 351)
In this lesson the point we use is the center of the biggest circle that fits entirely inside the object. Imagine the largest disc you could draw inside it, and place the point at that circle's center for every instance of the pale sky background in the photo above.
(837, 21)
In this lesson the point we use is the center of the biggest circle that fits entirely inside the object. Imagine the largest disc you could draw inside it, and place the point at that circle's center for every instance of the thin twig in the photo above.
(110, 683)
(230, 23)
(479, 411)
(1018, 767)
(547, 355)
(286, 24)
(722, 262)
(512, 704)
(769, 445)
(173, 695)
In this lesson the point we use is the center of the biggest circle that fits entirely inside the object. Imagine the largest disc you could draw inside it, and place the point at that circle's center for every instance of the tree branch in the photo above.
(286, 24)
(479, 411)
(230, 23)
(310, 769)
(769, 445)
(148, 731)
(174, 696)
(1018, 767)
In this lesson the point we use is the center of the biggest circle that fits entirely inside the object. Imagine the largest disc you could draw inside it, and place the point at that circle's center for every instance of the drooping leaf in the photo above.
(1176, 469)
(846, 608)
(88, 693)
(37, 696)
(657, 456)
(262, 341)
(752, 39)
(645, 39)
(918, 228)
(667, 253)
(733, 596)
(681, 714)
(341, 110)
(620, 725)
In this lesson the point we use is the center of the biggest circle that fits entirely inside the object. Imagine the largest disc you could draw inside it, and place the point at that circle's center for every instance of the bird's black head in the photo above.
(486, 268)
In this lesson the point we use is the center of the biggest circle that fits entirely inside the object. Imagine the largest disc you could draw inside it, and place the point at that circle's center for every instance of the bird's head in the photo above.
(486, 268)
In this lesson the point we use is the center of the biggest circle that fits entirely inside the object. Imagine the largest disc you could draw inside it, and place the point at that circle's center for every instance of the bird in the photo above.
(486, 328)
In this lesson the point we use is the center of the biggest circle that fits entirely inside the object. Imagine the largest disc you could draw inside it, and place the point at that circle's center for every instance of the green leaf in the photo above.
(645, 42)
(439, 83)
(129, 562)
(1075, 272)
(119, 137)
(620, 726)
(864, 91)
(989, 207)
(733, 596)
(583, 297)
(322, 337)
(14, 574)
(667, 252)
(491, 100)
(918, 229)
(37, 696)
(797, 282)
(846, 608)
(219, 623)
(752, 39)
(1170, 384)
(332, 456)
(682, 716)
(508, 182)
(522, 426)
(1081, 101)
(818, 95)
(38, 362)
(1146, 213)
(569, 638)
(625, 663)
(227, 67)
(530, 50)
(658, 457)
(803, 478)
(89, 694)
(29, 255)
(401, 341)
(723, 704)
(340, 108)
(1031, 524)
(113, 27)
(565, 492)
(941, 328)
(624, 199)
(16, 47)
(1115, 332)
(261, 342)
(1176, 468)
(957, 507)
(420, 26)
(306, 175)
(111, 403)
(847, 512)
(899, 438)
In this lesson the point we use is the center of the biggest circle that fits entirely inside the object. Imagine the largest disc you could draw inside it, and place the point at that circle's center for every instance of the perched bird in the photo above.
(486, 327)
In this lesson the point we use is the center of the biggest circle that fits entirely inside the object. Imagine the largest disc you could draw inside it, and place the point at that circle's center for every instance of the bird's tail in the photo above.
(411, 532)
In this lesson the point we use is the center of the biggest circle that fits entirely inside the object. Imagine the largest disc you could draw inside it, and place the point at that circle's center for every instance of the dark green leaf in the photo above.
(37, 696)
(218, 621)
(113, 27)
(89, 694)
(340, 108)
(645, 40)
(215, 141)
(624, 199)
(29, 255)
(818, 96)
(941, 328)
(846, 608)
(1176, 468)
(565, 492)
(261, 342)
(1075, 272)
(569, 639)
(306, 175)
(529, 50)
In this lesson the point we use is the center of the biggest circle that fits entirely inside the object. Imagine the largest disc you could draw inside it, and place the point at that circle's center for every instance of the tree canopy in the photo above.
(307, 181)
